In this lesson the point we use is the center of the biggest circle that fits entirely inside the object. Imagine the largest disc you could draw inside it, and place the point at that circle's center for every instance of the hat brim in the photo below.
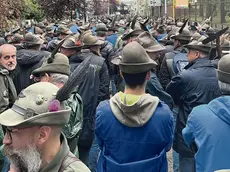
(202, 48)
(132, 34)
(132, 68)
(40, 42)
(49, 68)
(181, 37)
(11, 118)
(99, 42)
(155, 48)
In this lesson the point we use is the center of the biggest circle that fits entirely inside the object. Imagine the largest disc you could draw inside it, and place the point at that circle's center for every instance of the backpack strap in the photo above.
(169, 62)
(68, 160)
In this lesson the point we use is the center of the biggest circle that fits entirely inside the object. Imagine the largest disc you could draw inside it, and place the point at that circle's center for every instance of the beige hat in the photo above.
(135, 59)
(32, 39)
(37, 105)
(89, 40)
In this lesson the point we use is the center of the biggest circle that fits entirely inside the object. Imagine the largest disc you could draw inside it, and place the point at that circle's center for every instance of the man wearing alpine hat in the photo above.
(33, 140)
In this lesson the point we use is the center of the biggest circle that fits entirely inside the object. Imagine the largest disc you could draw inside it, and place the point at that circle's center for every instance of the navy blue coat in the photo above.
(195, 85)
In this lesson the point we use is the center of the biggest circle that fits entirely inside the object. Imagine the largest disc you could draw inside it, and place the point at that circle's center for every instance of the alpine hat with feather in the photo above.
(37, 105)
(183, 34)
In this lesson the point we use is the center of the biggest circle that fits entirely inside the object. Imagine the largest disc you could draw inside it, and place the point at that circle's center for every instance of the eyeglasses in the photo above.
(8, 131)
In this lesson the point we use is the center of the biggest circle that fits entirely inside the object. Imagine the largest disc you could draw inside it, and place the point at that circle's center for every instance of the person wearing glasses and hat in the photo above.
(32, 127)
(142, 125)
(195, 85)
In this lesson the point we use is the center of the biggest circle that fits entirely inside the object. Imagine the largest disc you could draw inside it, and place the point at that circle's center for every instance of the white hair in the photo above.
(57, 78)
(224, 87)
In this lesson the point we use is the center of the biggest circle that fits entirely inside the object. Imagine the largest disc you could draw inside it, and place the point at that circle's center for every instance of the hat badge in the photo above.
(39, 99)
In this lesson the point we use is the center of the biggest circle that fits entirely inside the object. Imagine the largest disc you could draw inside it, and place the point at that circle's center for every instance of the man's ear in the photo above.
(44, 133)
(148, 75)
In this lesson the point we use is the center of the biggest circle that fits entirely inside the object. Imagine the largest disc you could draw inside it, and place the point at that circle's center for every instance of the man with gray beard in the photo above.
(33, 139)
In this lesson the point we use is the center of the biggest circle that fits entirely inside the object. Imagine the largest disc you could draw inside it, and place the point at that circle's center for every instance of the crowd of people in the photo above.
(115, 95)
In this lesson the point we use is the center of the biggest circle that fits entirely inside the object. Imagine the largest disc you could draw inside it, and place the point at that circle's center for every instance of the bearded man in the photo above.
(33, 141)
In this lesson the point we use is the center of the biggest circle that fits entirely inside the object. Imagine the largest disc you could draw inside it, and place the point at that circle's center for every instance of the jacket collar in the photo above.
(200, 62)
(56, 163)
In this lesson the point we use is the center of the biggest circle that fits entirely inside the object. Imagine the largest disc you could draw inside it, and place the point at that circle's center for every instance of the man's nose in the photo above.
(6, 139)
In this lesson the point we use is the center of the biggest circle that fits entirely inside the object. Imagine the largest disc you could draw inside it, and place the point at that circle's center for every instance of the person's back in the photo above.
(143, 145)
(134, 130)
(94, 88)
(211, 125)
(28, 60)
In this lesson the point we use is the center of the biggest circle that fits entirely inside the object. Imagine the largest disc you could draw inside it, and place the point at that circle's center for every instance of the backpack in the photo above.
(180, 60)
(74, 126)
(176, 61)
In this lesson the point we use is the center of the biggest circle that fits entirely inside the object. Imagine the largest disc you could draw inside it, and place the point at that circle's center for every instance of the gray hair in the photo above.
(57, 78)
(4, 46)
(224, 88)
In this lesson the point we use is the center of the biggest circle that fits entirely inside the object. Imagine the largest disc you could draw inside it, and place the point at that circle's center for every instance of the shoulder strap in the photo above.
(169, 62)
(69, 159)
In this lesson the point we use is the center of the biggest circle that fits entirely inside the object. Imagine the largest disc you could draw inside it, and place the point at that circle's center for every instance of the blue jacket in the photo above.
(209, 126)
(112, 38)
(194, 86)
(137, 148)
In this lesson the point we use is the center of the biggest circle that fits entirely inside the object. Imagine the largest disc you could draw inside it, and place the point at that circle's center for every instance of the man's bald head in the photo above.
(8, 56)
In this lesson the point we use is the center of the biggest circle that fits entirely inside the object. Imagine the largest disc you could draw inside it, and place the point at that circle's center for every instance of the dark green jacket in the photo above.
(7, 96)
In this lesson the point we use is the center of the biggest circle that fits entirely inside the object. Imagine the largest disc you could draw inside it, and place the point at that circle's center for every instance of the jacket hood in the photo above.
(221, 108)
(30, 57)
(133, 111)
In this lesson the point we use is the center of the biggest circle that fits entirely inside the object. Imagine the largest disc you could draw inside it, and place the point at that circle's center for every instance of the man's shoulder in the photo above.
(163, 111)
(77, 166)
(3, 72)
(73, 164)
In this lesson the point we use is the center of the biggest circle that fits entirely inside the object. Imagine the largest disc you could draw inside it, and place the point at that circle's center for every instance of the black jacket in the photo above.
(195, 85)
(27, 61)
(165, 73)
(93, 90)
(108, 52)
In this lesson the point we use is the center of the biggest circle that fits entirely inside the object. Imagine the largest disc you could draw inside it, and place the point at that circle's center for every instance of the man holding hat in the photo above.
(142, 125)
(195, 85)
(209, 126)
(33, 140)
